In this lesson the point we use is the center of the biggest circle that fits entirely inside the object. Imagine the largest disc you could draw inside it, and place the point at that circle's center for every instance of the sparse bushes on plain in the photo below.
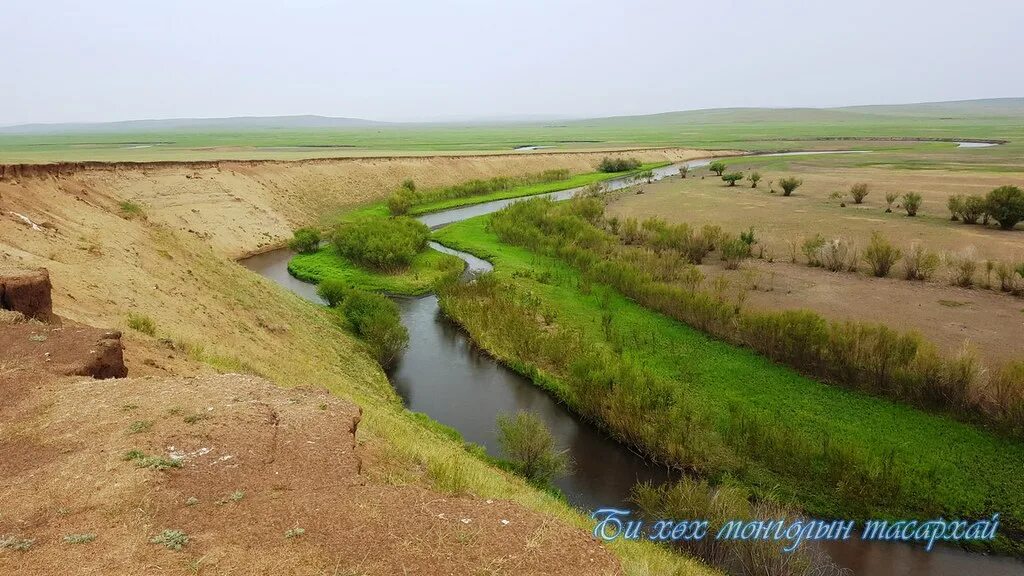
(1006, 206)
(911, 203)
(858, 192)
(919, 263)
(880, 255)
(718, 167)
(529, 446)
(609, 164)
(789, 185)
(305, 240)
(732, 177)
(386, 244)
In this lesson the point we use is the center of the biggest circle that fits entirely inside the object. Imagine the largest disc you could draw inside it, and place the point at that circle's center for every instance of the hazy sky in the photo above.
(421, 60)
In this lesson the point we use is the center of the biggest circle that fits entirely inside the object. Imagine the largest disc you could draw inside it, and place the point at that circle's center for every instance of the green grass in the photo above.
(531, 190)
(427, 268)
(977, 472)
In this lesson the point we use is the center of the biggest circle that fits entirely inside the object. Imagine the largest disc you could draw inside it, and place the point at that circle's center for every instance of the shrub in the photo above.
(734, 250)
(955, 203)
(1006, 206)
(1006, 388)
(376, 320)
(683, 171)
(409, 185)
(920, 263)
(305, 240)
(911, 202)
(732, 177)
(963, 267)
(1005, 275)
(401, 201)
(789, 184)
(754, 178)
(880, 255)
(609, 164)
(381, 243)
(718, 167)
(530, 448)
(812, 249)
(142, 323)
(838, 256)
(890, 199)
(647, 175)
(131, 210)
(332, 290)
(972, 208)
(171, 539)
(858, 192)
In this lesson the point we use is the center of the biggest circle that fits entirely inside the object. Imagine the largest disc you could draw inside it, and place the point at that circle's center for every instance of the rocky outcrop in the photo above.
(28, 293)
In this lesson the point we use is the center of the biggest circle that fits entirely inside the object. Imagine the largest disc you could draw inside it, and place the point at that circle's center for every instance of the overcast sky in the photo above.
(440, 59)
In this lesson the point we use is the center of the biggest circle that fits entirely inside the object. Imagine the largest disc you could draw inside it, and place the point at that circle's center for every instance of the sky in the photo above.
(106, 60)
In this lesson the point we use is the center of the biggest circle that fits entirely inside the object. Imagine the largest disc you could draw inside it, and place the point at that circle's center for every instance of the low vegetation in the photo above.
(732, 178)
(789, 185)
(142, 323)
(530, 448)
(373, 317)
(880, 255)
(718, 167)
(385, 244)
(305, 240)
(1006, 206)
(859, 192)
(911, 203)
(171, 539)
(609, 164)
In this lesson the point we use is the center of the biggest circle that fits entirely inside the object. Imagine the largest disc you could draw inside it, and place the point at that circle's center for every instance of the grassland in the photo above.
(427, 268)
(965, 470)
(748, 129)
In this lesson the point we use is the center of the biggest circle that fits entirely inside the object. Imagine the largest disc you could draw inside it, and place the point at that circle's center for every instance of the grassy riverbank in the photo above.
(931, 464)
(426, 269)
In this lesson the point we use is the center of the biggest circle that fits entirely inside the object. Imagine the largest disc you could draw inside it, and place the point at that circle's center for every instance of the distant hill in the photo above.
(234, 124)
(1012, 107)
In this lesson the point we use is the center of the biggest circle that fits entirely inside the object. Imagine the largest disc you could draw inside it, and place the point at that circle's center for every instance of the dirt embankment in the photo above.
(243, 207)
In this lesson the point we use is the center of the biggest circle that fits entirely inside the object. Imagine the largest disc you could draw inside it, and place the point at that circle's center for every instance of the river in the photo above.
(444, 375)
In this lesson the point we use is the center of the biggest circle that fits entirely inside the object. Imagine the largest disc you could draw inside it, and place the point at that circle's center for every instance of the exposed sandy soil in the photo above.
(289, 457)
(950, 316)
(240, 208)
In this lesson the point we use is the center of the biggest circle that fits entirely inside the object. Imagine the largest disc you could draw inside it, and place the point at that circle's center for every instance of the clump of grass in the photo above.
(142, 323)
(890, 199)
(294, 532)
(911, 203)
(919, 263)
(171, 539)
(139, 426)
(79, 538)
(858, 192)
(195, 418)
(881, 255)
(789, 185)
(192, 501)
(811, 248)
(12, 542)
(963, 266)
(838, 256)
(142, 460)
(236, 496)
(733, 251)
(447, 476)
(131, 210)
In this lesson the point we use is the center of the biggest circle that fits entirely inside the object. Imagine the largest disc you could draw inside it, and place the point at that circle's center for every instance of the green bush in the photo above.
(754, 178)
(733, 250)
(963, 267)
(789, 184)
(1006, 205)
(529, 446)
(332, 290)
(890, 199)
(881, 255)
(811, 249)
(858, 192)
(732, 177)
(409, 185)
(142, 323)
(386, 244)
(972, 208)
(375, 318)
(911, 202)
(400, 201)
(305, 240)
(683, 171)
(955, 204)
(609, 164)
(718, 167)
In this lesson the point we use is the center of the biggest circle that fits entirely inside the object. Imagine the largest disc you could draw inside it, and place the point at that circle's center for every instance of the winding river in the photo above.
(443, 374)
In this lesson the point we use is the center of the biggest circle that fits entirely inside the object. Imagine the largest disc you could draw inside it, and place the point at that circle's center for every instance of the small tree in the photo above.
(305, 240)
(890, 199)
(718, 167)
(858, 192)
(754, 178)
(683, 171)
(1006, 206)
(530, 448)
(972, 209)
(646, 175)
(956, 206)
(880, 255)
(789, 184)
(733, 177)
(911, 202)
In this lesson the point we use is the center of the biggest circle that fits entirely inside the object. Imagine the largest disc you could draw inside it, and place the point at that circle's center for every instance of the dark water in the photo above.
(444, 375)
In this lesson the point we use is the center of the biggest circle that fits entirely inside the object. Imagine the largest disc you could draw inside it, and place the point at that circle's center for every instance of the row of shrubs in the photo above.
(918, 262)
(408, 195)
(662, 420)
(1004, 205)
(610, 165)
(645, 267)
